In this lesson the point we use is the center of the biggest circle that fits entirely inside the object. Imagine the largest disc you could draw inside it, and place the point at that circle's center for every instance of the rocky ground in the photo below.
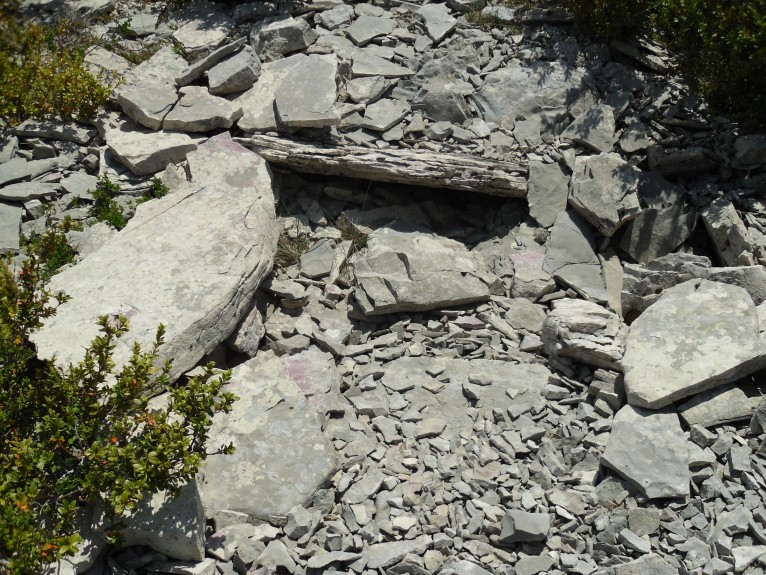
(515, 321)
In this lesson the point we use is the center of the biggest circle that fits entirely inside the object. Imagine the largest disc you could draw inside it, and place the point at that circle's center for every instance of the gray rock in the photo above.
(525, 90)
(280, 35)
(603, 191)
(25, 191)
(728, 232)
(258, 101)
(172, 526)
(650, 564)
(99, 61)
(571, 257)
(725, 404)
(55, 130)
(204, 33)
(194, 71)
(18, 169)
(594, 128)
(547, 192)
(148, 103)
(686, 343)
(442, 101)
(586, 332)
(306, 97)
(324, 559)
(198, 111)
(299, 522)
(384, 114)
(164, 67)
(365, 28)
(500, 13)
(533, 564)
(276, 555)
(751, 149)
(281, 454)
(649, 449)
(317, 262)
(751, 278)
(382, 555)
(79, 184)
(192, 260)
(746, 555)
(140, 25)
(247, 337)
(415, 272)
(525, 315)
(367, 90)
(465, 567)
(10, 227)
(635, 137)
(365, 488)
(520, 527)
(234, 74)
(145, 152)
(336, 17)
(529, 279)
(365, 63)
(683, 162)
(654, 233)
(437, 20)
(8, 146)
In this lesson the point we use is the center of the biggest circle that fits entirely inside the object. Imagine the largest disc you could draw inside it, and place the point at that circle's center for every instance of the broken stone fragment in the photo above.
(686, 342)
(520, 526)
(280, 35)
(198, 111)
(649, 449)
(234, 74)
(594, 128)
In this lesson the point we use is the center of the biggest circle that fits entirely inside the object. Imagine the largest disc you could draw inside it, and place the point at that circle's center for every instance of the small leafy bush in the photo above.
(42, 71)
(105, 207)
(722, 44)
(52, 248)
(69, 437)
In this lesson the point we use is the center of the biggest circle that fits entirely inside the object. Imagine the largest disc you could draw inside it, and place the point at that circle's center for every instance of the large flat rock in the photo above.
(306, 99)
(688, 342)
(649, 449)
(281, 454)
(416, 271)
(145, 152)
(191, 260)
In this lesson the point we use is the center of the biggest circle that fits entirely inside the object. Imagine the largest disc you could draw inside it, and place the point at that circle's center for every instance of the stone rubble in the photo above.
(559, 374)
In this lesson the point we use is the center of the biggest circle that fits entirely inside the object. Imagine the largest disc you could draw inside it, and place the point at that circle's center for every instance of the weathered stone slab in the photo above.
(281, 454)
(365, 63)
(586, 332)
(148, 102)
(382, 555)
(10, 227)
(272, 37)
(384, 114)
(55, 130)
(594, 128)
(654, 233)
(750, 149)
(204, 33)
(306, 97)
(571, 257)
(649, 449)
(18, 169)
(198, 68)
(547, 192)
(724, 404)
(524, 90)
(438, 21)
(603, 191)
(258, 102)
(365, 28)
(416, 272)
(145, 152)
(24, 191)
(163, 67)
(235, 74)
(727, 230)
(687, 342)
(191, 260)
(198, 111)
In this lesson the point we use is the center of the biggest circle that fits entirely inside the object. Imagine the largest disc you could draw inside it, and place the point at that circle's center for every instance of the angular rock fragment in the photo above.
(547, 192)
(191, 260)
(280, 35)
(725, 404)
(234, 74)
(438, 21)
(728, 232)
(594, 128)
(750, 149)
(415, 272)
(10, 227)
(382, 555)
(649, 449)
(18, 169)
(687, 342)
(146, 152)
(366, 63)
(55, 130)
(306, 96)
(258, 102)
(603, 191)
(520, 526)
(194, 71)
(365, 28)
(586, 332)
(204, 33)
(148, 102)
(198, 111)
(571, 257)
(384, 114)
(654, 233)
(650, 564)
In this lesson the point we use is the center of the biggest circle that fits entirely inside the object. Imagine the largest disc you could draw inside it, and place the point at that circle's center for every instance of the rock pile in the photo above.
(515, 324)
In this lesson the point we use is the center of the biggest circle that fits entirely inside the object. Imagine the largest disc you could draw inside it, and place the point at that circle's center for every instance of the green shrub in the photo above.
(722, 44)
(42, 71)
(87, 433)
(105, 207)
(52, 247)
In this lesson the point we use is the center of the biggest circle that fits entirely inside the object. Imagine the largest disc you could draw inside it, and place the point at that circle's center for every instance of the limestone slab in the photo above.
(10, 226)
(280, 35)
(191, 260)
(145, 152)
(206, 32)
(649, 449)
(234, 74)
(199, 111)
(594, 128)
(148, 102)
(688, 342)
(306, 97)
(416, 271)
(547, 192)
